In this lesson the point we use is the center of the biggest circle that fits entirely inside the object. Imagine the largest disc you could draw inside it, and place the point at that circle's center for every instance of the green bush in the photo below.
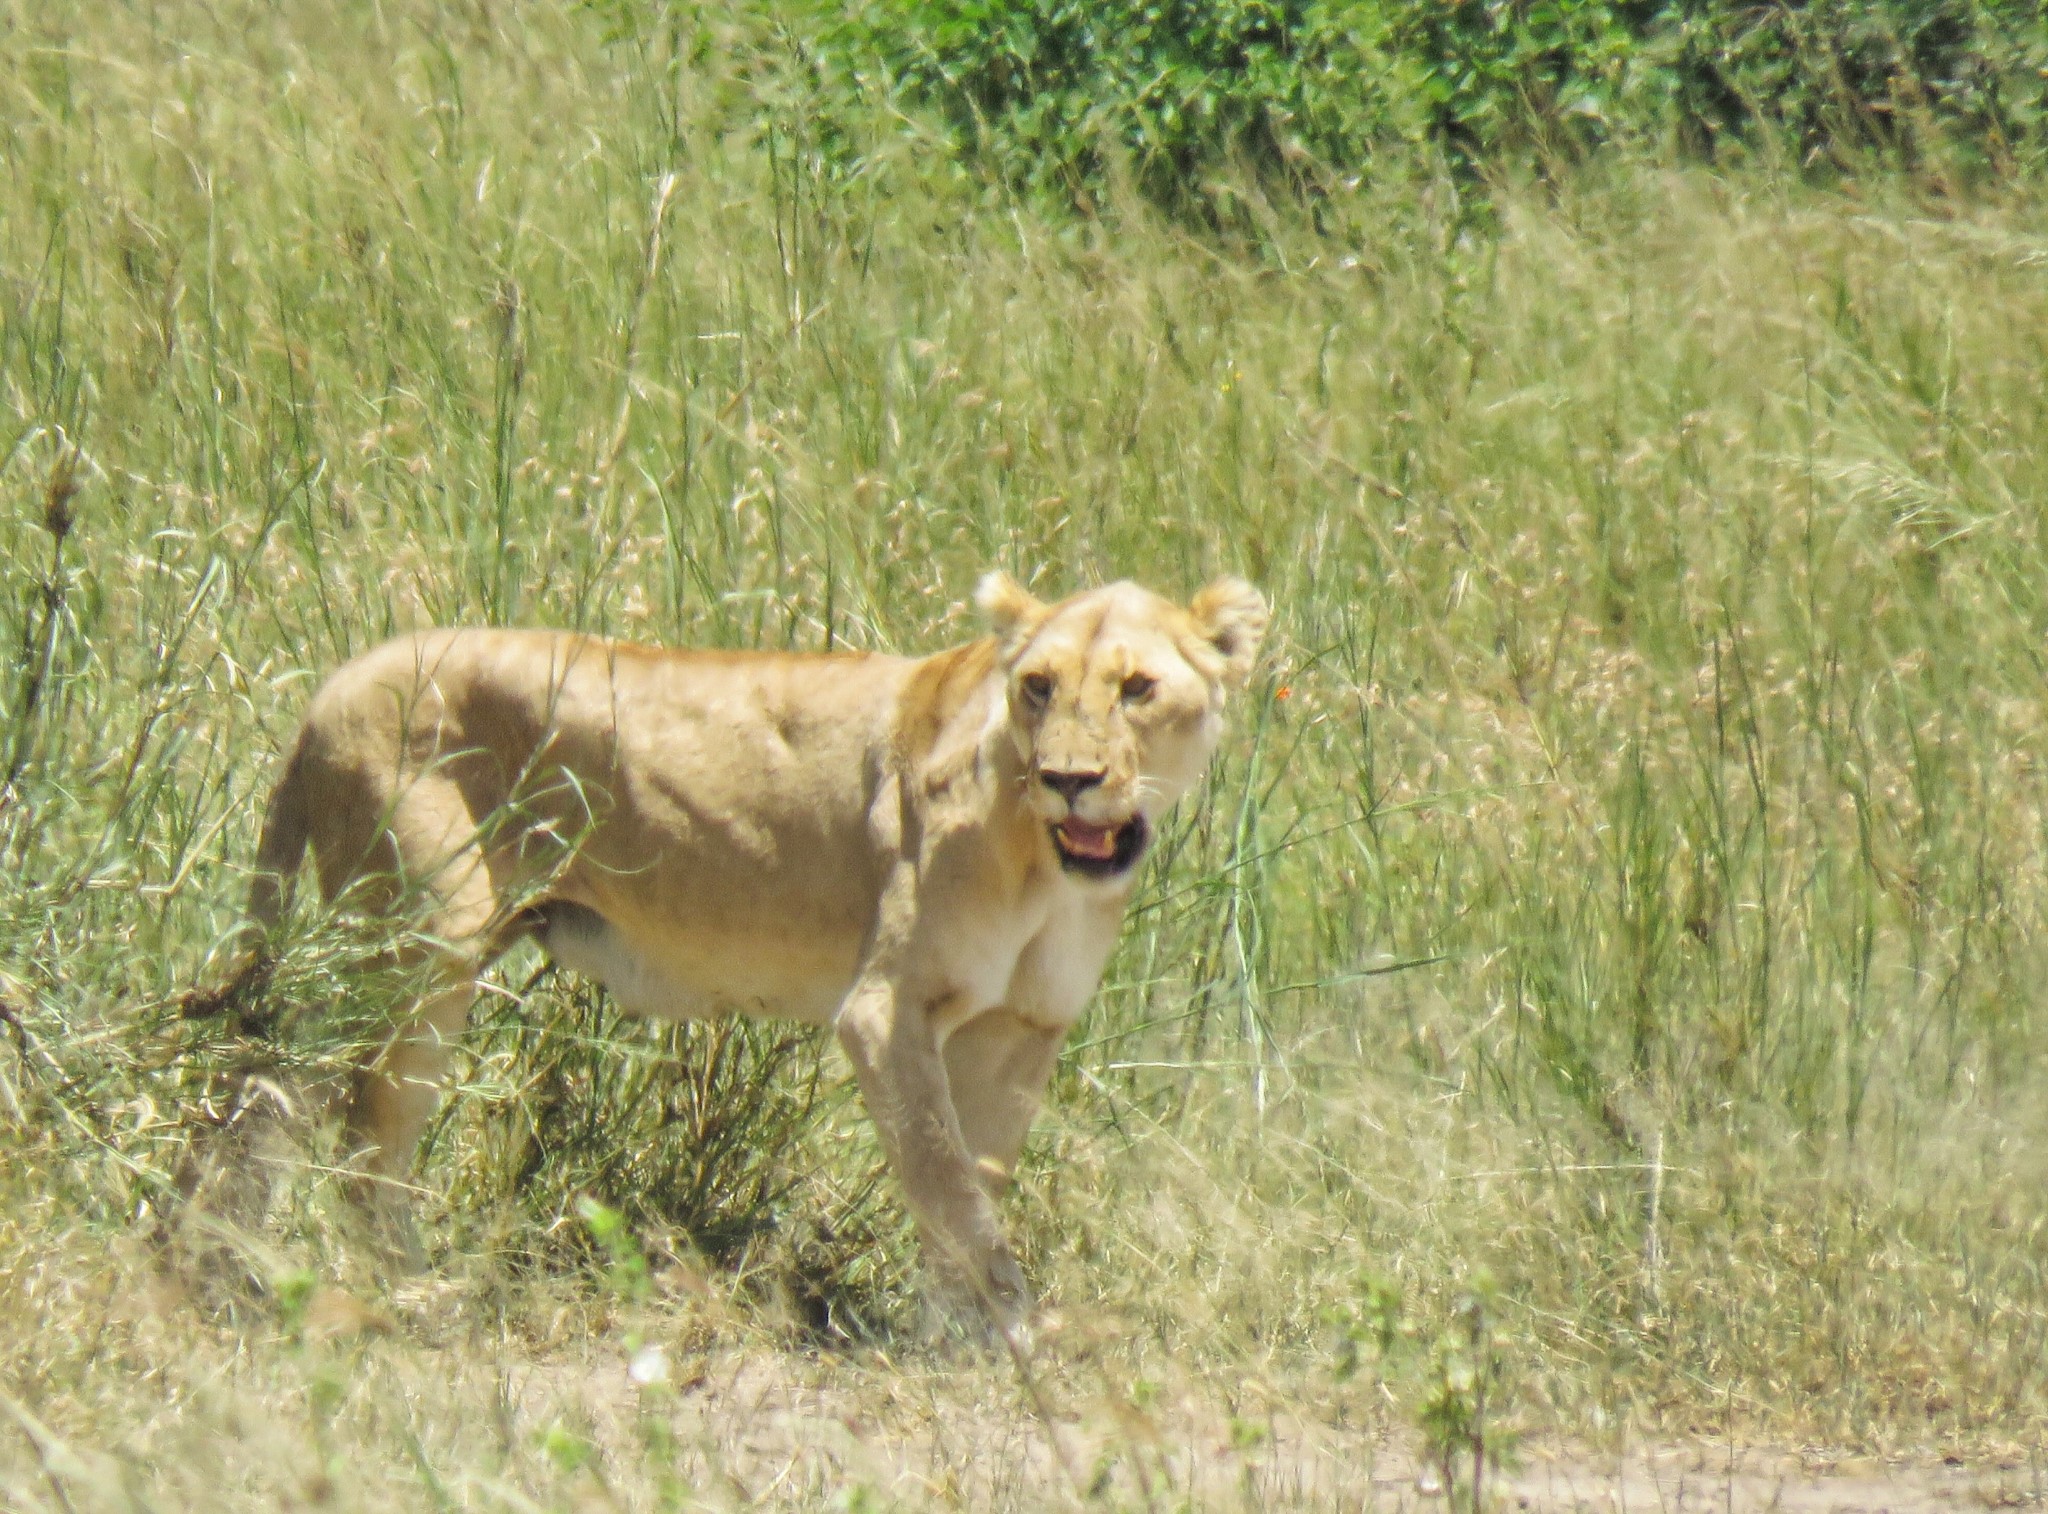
(1053, 92)
(682, 1129)
(1048, 91)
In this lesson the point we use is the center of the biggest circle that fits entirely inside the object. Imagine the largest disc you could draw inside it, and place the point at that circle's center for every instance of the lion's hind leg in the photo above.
(398, 1083)
(246, 1138)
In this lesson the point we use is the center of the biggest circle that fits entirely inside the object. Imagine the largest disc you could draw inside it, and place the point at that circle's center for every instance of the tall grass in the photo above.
(1625, 880)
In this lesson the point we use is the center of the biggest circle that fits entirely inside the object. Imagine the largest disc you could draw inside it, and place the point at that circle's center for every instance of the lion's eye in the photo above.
(1138, 688)
(1036, 687)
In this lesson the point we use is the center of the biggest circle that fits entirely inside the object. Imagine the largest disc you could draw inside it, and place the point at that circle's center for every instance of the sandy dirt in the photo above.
(1679, 1478)
(795, 1429)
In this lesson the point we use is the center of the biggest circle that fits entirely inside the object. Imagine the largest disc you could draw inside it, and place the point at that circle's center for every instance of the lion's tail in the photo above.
(282, 847)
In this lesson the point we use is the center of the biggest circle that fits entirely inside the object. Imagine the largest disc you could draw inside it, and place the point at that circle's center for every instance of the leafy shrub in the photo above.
(1904, 76)
(1047, 90)
(1052, 92)
(683, 1129)
(724, 1138)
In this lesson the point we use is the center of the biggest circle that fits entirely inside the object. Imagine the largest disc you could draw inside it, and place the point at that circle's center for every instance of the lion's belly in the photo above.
(686, 977)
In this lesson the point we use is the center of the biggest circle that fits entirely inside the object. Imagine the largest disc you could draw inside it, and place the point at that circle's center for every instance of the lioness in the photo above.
(930, 854)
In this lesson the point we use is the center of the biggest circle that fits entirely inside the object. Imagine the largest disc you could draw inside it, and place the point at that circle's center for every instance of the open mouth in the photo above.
(1098, 851)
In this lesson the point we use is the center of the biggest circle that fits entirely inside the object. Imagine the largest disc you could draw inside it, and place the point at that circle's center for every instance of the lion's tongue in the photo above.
(1085, 840)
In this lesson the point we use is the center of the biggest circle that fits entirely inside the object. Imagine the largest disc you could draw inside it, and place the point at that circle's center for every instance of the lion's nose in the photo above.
(1069, 785)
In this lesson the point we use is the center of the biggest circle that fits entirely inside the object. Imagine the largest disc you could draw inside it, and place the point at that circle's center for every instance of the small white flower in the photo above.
(648, 1367)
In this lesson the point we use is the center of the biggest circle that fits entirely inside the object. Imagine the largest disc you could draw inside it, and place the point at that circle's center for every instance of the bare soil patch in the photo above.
(775, 1427)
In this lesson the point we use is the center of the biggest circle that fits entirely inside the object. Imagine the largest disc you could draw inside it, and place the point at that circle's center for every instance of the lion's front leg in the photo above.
(997, 1066)
(889, 1037)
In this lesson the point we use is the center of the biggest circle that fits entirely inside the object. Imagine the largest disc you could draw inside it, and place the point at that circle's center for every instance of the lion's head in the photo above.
(1115, 704)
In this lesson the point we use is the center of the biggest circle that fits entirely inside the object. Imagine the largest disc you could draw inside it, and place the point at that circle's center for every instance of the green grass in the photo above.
(1624, 884)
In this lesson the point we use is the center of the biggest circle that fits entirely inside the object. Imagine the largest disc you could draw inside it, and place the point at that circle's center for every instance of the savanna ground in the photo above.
(1597, 1002)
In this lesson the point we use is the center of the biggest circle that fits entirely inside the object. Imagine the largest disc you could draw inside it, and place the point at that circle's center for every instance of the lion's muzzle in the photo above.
(1100, 851)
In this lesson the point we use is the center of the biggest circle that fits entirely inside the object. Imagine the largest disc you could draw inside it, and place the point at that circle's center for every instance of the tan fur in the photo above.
(858, 840)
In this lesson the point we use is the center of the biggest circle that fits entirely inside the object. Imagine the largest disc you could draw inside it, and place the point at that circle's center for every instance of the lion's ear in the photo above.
(1231, 616)
(1009, 606)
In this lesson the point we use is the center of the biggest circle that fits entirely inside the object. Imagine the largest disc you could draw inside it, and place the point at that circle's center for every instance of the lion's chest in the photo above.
(1042, 963)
